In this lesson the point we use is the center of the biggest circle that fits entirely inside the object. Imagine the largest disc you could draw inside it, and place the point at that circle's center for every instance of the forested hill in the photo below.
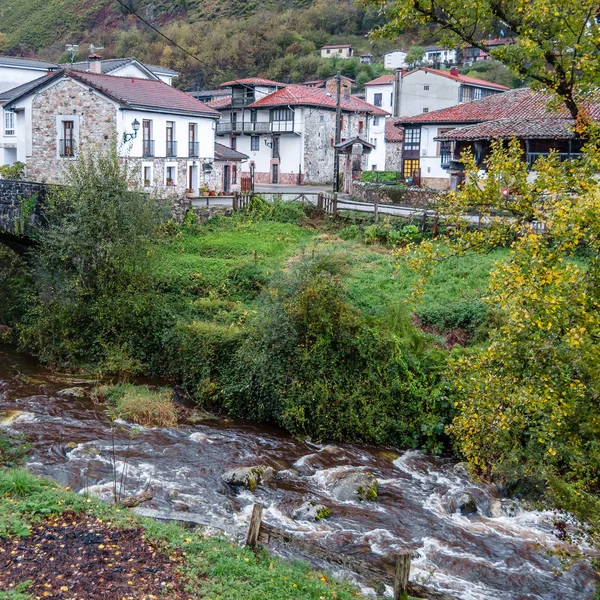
(231, 38)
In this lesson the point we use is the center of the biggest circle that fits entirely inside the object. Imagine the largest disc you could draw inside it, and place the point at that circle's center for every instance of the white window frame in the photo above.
(173, 166)
(147, 165)
(10, 130)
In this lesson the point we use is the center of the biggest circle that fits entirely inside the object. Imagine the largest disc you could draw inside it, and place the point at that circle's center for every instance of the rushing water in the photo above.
(497, 556)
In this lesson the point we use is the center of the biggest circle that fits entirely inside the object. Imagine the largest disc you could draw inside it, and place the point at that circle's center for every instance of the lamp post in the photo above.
(127, 137)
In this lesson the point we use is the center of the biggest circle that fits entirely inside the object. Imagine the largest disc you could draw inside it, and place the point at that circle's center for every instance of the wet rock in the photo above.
(10, 417)
(73, 392)
(462, 502)
(197, 416)
(355, 485)
(90, 451)
(5, 332)
(249, 477)
(312, 511)
(461, 469)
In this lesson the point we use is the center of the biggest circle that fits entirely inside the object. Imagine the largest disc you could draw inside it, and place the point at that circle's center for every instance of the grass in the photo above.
(143, 406)
(212, 567)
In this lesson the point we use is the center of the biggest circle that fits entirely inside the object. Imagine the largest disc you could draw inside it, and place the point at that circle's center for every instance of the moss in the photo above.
(370, 493)
(323, 513)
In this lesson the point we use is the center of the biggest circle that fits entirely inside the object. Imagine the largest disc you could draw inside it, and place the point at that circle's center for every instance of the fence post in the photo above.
(334, 205)
(435, 225)
(423, 222)
(375, 212)
(236, 201)
(320, 202)
(207, 201)
(254, 529)
(401, 576)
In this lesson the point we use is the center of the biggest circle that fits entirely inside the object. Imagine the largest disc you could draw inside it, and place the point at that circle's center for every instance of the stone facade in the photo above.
(95, 126)
(393, 156)
(12, 197)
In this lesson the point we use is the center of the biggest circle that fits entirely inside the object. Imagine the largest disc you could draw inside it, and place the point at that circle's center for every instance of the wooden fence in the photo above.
(395, 575)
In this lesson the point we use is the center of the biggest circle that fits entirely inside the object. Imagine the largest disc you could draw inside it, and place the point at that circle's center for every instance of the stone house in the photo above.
(337, 51)
(169, 134)
(288, 131)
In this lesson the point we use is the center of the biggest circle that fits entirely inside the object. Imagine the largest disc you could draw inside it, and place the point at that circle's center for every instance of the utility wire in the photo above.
(159, 32)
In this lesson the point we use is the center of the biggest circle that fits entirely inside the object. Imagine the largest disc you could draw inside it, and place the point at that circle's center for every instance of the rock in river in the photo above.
(463, 502)
(248, 477)
(312, 511)
(355, 485)
(73, 392)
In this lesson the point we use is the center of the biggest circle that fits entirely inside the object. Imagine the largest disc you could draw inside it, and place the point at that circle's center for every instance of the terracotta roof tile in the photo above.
(461, 78)
(300, 95)
(220, 103)
(144, 93)
(392, 132)
(225, 153)
(253, 81)
(382, 80)
(547, 129)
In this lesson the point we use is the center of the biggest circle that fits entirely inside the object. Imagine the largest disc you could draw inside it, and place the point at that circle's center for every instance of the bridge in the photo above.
(20, 213)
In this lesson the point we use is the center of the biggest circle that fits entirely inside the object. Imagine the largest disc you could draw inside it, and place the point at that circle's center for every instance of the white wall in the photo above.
(431, 166)
(129, 70)
(387, 95)
(11, 77)
(445, 56)
(376, 136)
(422, 90)
(134, 148)
(168, 79)
(394, 60)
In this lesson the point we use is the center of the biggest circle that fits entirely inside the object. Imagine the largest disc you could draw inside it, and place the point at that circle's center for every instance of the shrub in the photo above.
(13, 449)
(20, 483)
(143, 406)
(275, 210)
(385, 176)
(15, 171)
(445, 317)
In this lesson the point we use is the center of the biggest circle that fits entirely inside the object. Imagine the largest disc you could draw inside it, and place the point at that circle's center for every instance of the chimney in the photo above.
(95, 61)
(454, 72)
(399, 75)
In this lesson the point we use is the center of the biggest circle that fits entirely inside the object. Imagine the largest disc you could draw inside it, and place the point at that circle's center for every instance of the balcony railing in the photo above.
(194, 149)
(257, 127)
(148, 148)
(171, 148)
(67, 148)
(562, 156)
(446, 154)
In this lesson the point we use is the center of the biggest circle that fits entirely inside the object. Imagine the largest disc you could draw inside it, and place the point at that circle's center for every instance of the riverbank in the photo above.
(58, 544)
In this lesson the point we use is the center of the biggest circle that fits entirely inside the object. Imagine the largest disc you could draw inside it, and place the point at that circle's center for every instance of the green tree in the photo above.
(556, 43)
(414, 56)
(92, 294)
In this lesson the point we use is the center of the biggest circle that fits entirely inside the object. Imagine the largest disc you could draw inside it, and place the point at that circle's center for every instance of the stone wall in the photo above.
(95, 119)
(393, 194)
(13, 199)
(393, 156)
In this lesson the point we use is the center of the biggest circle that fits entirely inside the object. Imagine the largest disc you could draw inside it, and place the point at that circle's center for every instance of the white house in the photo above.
(169, 134)
(337, 51)
(380, 92)
(288, 131)
(15, 71)
(396, 59)
(437, 56)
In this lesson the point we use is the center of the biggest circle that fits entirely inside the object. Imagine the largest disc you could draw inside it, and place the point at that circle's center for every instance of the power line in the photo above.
(159, 32)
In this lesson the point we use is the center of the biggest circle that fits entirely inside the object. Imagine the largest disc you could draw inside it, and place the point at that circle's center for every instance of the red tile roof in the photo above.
(382, 80)
(220, 103)
(461, 78)
(523, 102)
(338, 46)
(301, 95)
(546, 129)
(392, 132)
(144, 93)
(253, 81)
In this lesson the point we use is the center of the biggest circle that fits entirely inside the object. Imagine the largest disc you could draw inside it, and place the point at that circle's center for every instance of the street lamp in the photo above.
(131, 136)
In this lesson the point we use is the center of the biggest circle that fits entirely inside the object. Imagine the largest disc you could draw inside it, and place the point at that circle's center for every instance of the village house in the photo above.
(288, 131)
(169, 134)
(436, 56)
(425, 90)
(434, 142)
(396, 59)
(337, 51)
(346, 84)
(471, 54)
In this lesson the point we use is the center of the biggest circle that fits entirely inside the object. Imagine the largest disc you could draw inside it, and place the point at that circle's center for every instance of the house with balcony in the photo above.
(169, 135)
(434, 142)
(288, 131)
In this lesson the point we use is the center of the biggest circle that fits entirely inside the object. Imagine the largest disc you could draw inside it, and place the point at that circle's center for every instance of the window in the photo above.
(328, 51)
(234, 143)
(374, 142)
(426, 88)
(378, 99)
(342, 122)
(373, 167)
(9, 122)
(412, 140)
(234, 174)
(361, 126)
(410, 168)
(193, 149)
(147, 176)
(375, 121)
(147, 141)
(392, 100)
(254, 143)
(322, 118)
(67, 143)
(253, 116)
(276, 147)
(425, 110)
(282, 114)
(171, 174)
(171, 145)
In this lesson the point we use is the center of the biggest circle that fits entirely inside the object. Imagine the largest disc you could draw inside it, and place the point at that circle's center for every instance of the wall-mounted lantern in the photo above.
(131, 136)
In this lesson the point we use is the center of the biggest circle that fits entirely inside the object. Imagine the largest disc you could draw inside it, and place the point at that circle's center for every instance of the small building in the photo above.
(337, 51)
(331, 84)
(169, 134)
(472, 54)
(433, 142)
(366, 59)
(287, 130)
(208, 95)
(226, 174)
(123, 67)
(396, 59)
(16, 71)
(440, 57)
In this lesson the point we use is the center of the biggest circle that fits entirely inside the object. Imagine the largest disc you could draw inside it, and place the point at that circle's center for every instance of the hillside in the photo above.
(231, 38)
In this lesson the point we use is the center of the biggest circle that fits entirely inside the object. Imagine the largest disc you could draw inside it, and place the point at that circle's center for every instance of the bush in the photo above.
(465, 315)
(275, 210)
(13, 449)
(143, 406)
(384, 176)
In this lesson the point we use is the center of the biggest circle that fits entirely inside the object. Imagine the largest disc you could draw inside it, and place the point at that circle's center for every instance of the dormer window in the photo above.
(9, 122)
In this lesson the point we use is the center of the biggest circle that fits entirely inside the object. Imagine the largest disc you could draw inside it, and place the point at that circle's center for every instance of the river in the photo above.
(497, 553)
